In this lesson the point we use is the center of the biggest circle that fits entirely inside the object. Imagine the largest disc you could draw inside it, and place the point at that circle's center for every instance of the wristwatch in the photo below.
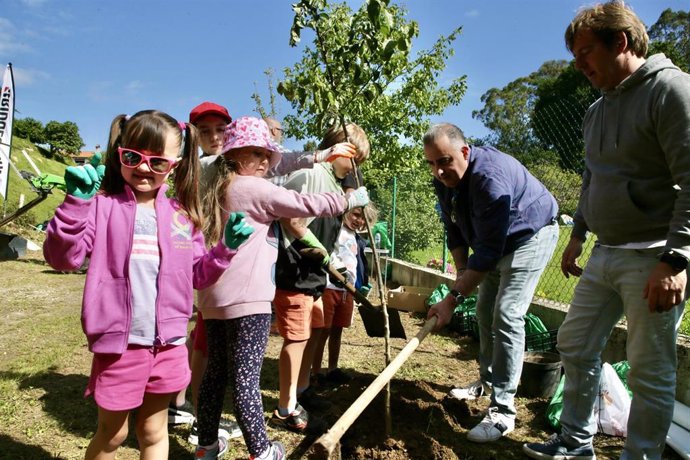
(677, 261)
(459, 298)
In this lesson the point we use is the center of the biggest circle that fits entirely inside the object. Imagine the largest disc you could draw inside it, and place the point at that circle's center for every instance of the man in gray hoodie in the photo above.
(635, 198)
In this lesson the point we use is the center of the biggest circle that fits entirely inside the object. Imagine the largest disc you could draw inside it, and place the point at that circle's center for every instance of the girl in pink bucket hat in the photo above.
(248, 135)
(237, 308)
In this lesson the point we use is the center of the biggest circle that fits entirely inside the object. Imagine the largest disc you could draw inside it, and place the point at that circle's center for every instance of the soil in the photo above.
(426, 424)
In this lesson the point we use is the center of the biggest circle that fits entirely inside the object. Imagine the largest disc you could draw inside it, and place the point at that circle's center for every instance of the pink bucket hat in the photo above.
(251, 132)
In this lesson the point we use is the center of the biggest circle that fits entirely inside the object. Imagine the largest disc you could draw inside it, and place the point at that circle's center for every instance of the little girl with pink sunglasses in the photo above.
(147, 254)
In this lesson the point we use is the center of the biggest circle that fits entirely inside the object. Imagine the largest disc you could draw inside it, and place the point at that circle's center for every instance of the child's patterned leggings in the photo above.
(236, 350)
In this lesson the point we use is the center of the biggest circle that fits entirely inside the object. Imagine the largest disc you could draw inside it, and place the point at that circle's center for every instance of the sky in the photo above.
(87, 61)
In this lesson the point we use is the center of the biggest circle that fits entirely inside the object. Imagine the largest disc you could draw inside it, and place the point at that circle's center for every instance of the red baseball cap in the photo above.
(209, 108)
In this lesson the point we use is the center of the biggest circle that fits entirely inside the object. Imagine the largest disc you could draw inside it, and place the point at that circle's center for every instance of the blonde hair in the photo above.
(357, 136)
(606, 21)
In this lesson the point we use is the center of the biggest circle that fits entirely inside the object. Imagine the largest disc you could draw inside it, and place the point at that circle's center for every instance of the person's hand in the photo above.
(237, 230)
(84, 181)
(311, 241)
(357, 198)
(443, 310)
(343, 149)
(343, 272)
(665, 288)
(364, 289)
(569, 264)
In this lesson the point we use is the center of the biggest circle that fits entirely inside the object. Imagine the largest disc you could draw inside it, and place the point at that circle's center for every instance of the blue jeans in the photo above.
(611, 286)
(504, 297)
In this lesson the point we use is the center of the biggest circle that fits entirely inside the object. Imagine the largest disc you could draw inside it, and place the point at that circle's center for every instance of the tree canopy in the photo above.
(63, 138)
(30, 129)
(671, 35)
(359, 65)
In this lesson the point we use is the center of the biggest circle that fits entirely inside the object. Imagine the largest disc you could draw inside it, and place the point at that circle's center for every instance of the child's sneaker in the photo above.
(180, 415)
(276, 451)
(212, 453)
(297, 420)
(557, 449)
(227, 429)
(473, 391)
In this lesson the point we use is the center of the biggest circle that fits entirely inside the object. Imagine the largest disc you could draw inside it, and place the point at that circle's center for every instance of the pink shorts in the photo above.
(338, 307)
(119, 382)
(294, 314)
(199, 333)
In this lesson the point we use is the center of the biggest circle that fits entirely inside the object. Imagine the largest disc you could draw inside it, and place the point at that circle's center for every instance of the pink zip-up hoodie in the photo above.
(102, 228)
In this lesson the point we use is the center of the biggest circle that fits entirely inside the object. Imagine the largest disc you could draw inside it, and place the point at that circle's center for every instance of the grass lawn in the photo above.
(19, 186)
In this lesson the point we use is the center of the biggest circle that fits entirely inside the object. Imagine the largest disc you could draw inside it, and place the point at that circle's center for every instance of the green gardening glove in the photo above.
(237, 230)
(364, 290)
(84, 181)
(311, 241)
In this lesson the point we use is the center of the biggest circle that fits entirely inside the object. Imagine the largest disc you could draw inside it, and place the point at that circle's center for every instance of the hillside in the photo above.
(18, 186)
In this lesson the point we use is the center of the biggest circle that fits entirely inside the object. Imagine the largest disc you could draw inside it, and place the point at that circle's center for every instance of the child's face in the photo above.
(354, 219)
(145, 182)
(211, 131)
(342, 167)
(251, 161)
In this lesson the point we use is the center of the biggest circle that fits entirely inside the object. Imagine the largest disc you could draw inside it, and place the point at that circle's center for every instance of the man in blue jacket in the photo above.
(493, 205)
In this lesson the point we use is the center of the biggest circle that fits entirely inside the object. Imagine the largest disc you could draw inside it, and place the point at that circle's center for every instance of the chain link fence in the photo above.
(552, 149)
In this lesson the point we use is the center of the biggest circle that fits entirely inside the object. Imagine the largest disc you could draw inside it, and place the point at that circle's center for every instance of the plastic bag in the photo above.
(553, 411)
(613, 404)
(464, 319)
(622, 368)
(438, 294)
(533, 325)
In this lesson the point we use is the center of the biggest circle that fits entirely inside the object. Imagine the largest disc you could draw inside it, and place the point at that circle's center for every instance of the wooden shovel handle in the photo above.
(324, 446)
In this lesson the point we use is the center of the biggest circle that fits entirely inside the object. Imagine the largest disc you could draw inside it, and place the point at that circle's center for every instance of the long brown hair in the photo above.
(214, 203)
(147, 130)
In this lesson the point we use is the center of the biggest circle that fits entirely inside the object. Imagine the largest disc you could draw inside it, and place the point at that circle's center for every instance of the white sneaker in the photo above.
(492, 427)
(473, 391)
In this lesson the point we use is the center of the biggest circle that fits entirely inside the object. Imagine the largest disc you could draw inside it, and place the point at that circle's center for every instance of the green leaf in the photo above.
(374, 11)
(389, 49)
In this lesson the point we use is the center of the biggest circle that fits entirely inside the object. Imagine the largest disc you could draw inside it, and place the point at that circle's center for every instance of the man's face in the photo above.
(603, 67)
(276, 130)
(211, 131)
(448, 162)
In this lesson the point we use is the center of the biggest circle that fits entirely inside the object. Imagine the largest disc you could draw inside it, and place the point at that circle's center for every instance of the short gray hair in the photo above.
(452, 132)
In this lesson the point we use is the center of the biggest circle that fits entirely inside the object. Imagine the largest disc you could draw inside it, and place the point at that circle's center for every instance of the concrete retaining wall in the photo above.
(552, 314)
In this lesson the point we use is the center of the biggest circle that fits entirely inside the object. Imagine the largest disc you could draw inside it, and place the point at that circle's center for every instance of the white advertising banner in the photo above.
(6, 118)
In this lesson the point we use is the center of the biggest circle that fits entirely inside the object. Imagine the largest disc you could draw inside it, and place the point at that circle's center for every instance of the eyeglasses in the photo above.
(132, 159)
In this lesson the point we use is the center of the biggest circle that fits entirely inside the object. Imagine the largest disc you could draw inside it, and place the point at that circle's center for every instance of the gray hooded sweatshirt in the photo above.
(636, 183)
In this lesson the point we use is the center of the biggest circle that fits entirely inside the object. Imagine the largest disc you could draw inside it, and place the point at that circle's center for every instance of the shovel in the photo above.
(372, 316)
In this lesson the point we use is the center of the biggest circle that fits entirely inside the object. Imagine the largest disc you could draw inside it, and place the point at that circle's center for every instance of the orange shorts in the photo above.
(338, 307)
(295, 313)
